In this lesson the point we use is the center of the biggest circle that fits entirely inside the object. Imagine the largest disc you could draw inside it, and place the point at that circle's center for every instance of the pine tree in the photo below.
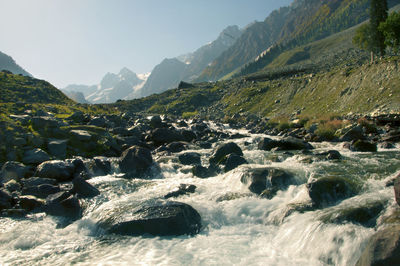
(378, 14)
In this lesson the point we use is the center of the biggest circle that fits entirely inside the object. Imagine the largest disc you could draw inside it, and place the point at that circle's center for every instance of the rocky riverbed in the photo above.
(137, 189)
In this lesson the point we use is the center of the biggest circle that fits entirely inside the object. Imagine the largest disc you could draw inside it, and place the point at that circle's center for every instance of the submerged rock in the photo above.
(383, 248)
(205, 172)
(161, 218)
(183, 189)
(271, 179)
(190, 158)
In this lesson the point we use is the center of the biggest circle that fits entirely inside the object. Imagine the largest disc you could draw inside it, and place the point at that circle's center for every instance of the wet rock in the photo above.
(58, 148)
(37, 181)
(12, 186)
(83, 189)
(188, 135)
(41, 191)
(204, 172)
(331, 155)
(233, 161)
(223, 150)
(365, 213)
(159, 219)
(387, 145)
(6, 200)
(35, 156)
(135, 162)
(363, 146)
(56, 169)
(156, 122)
(397, 189)
(383, 248)
(183, 189)
(273, 179)
(190, 158)
(63, 204)
(99, 166)
(175, 147)
(165, 135)
(13, 171)
(30, 203)
(204, 145)
(329, 190)
(287, 143)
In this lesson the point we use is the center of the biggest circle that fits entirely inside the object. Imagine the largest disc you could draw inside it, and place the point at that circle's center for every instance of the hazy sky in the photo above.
(78, 41)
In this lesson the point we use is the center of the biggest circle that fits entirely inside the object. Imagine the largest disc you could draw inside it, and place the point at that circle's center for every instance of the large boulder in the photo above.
(190, 158)
(30, 203)
(161, 218)
(165, 135)
(81, 135)
(13, 171)
(136, 162)
(63, 204)
(383, 248)
(288, 143)
(259, 180)
(56, 169)
(326, 191)
(350, 133)
(233, 161)
(57, 148)
(219, 155)
(156, 121)
(363, 146)
(35, 156)
(83, 189)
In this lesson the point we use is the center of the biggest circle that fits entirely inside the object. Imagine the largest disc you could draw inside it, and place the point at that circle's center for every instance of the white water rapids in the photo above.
(244, 229)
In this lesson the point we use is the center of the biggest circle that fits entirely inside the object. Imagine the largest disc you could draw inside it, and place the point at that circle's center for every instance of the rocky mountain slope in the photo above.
(7, 63)
(303, 21)
(188, 67)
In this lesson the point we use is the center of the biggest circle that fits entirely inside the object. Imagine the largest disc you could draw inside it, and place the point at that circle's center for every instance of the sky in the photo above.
(79, 41)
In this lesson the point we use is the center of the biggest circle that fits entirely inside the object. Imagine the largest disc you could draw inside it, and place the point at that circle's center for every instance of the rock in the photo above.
(331, 155)
(175, 147)
(159, 219)
(83, 188)
(222, 151)
(273, 179)
(41, 191)
(35, 156)
(165, 135)
(204, 172)
(387, 145)
(6, 200)
(188, 135)
(204, 145)
(397, 189)
(43, 122)
(383, 248)
(233, 161)
(81, 135)
(99, 166)
(98, 122)
(63, 204)
(329, 190)
(287, 143)
(57, 148)
(156, 122)
(183, 189)
(136, 162)
(12, 186)
(30, 203)
(363, 146)
(13, 171)
(37, 181)
(190, 158)
(350, 133)
(58, 170)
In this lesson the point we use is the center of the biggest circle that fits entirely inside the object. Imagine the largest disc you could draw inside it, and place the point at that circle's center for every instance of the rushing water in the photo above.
(243, 229)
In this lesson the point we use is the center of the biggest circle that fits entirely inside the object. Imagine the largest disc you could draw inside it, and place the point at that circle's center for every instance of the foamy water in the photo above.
(246, 230)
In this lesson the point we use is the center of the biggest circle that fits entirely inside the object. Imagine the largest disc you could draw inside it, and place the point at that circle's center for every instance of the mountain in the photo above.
(77, 96)
(7, 63)
(188, 67)
(124, 85)
(300, 23)
(25, 89)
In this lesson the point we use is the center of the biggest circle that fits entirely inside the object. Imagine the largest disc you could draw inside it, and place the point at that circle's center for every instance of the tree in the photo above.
(391, 30)
(378, 14)
(362, 38)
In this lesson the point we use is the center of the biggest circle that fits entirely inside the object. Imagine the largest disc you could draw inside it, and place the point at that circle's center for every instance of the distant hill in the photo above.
(18, 88)
(7, 63)
(188, 67)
